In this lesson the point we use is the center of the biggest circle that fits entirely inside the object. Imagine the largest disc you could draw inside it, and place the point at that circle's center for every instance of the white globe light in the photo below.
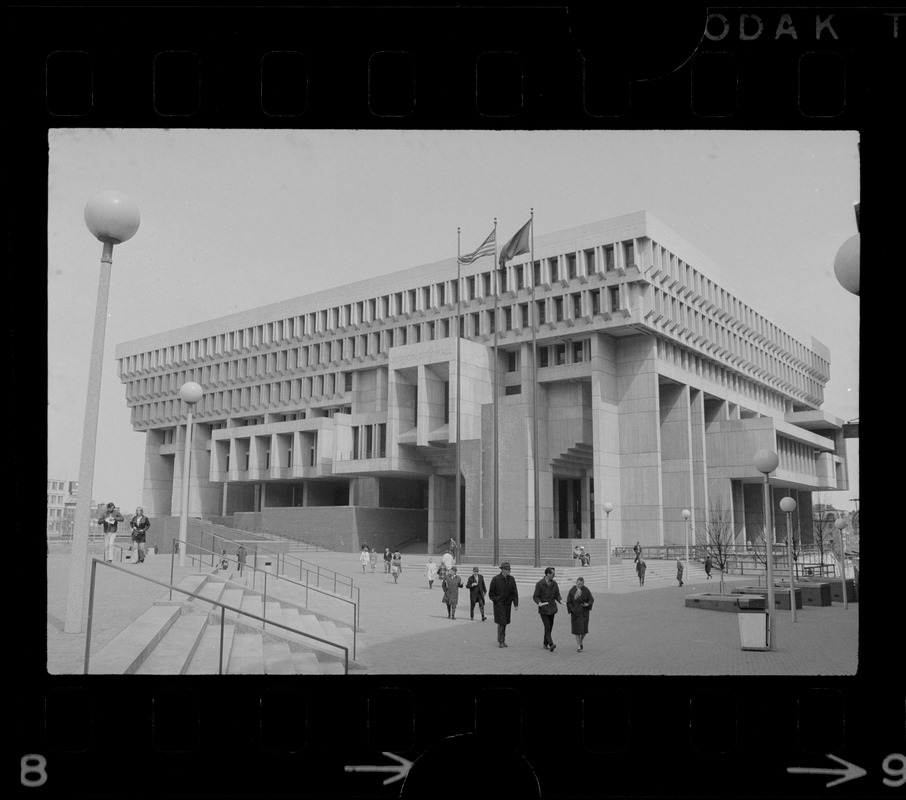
(686, 513)
(787, 504)
(191, 392)
(608, 507)
(846, 264)
(112, 217)
(766, 461)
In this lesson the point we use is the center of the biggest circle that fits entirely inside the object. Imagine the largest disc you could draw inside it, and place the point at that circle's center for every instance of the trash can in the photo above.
(753, 629)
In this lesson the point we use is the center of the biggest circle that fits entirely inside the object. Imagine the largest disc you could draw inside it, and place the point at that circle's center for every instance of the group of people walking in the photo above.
(139, 525)
(393, 562)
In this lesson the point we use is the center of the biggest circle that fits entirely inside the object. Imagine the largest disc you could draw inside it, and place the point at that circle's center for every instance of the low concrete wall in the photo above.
(724, 602)
(781, 595)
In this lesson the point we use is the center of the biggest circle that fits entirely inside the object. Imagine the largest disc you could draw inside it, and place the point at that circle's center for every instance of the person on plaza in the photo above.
(576, 550)
(447, 560)
(139, 524)
(504, 595)
(387, 558)
(640, 568)
(451, 586)
(373, 556)
(638, 552)
(396, 565)
(679, 571)
(579, 601)
(224, 561)
(454, 546)
(708, 566)
(477, 591)
(431, 572)
(546, 597)
(240, 557)
(109, 520)
(365, 557)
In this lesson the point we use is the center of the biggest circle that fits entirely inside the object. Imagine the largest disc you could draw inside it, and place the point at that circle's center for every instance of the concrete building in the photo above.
(332, 417)
(61, 503)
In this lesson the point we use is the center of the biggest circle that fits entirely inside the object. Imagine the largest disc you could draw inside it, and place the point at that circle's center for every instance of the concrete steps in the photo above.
(183, 637)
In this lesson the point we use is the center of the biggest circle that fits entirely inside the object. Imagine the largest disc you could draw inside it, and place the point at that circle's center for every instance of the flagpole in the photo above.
(535, 400)
(458, 432)
(496, 442)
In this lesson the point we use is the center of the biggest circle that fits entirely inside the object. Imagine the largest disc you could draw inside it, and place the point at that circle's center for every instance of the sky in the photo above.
(235, 219)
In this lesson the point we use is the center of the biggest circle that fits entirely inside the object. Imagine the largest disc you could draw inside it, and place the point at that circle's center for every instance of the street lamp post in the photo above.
(766, 462)
(190, 393)
(686, 514)
(788, 505)
(608, 507)
(840, 525)
(112, 218)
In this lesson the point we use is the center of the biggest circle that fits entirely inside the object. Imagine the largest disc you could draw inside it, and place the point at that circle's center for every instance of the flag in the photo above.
(518, 245)
(488, 246)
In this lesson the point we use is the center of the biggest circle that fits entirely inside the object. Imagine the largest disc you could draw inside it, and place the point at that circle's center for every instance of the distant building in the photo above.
(334, 414)
(61, 502)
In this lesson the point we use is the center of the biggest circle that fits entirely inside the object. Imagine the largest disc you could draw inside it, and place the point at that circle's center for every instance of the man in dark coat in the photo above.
(503, 594)
(546, 596)
(477, 591)
(139, 524)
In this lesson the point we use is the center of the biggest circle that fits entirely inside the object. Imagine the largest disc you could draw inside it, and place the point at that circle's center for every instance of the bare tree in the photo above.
(716, 536)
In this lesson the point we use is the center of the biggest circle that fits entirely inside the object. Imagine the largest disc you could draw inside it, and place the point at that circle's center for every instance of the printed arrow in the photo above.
(849, 772)
(402, 768)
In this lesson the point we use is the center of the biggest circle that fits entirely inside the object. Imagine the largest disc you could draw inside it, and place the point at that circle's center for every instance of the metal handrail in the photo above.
(96, 561)
(256, 570)
(317, 569)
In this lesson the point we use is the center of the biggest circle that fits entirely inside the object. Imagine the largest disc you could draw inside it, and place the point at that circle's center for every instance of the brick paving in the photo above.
(405, 630)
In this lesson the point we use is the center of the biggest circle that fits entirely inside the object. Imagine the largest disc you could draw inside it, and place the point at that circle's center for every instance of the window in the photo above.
(540, 312)
(608, 257)
(560, 354)
(579, 352)
(512, 360)
(543, 357)
(614, 298)
(510, 390)
(558, 309)
(577, 306)
(571, 265)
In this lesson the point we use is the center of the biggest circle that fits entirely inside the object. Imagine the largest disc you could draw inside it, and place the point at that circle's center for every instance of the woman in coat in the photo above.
(679, 571)
(579, 601)
(451, 586)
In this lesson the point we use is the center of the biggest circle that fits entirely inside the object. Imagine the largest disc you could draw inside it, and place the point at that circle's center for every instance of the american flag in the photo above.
(488, 248)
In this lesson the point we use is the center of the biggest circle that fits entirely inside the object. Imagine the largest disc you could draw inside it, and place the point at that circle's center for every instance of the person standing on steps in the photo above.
(451, 586)
(679, 571)
(477, 591)
(431, 572)
(579, 601)
(640, 568)
(546, 596)
(139, 524)
(109, 520)
(504, 595)
(240, 557)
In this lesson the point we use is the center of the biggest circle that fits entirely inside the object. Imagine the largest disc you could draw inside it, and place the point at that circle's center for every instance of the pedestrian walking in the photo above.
(373, 558)
(431, 572)
(579, 601)
(365, 557)
(640, 568)
(477, 591)
(546, 597)
(139, 524)
(447, 560)
(109, 520)
(638, 552)
(387, 558)
(708, 567)
(679, 571)
(240, 557)
(451, 586)
(504, 595)
(396, 565)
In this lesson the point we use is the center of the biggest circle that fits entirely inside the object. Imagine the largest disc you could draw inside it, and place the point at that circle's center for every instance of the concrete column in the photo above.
(586, 510)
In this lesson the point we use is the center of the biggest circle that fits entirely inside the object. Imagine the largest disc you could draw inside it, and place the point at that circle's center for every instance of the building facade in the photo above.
(61, 502)
(341, 416)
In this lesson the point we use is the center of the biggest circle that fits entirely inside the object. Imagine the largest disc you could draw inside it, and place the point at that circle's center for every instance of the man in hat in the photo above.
(477, 591)
(503, 594)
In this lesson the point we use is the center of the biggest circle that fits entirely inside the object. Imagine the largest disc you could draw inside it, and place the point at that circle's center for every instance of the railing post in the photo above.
(94, 565)
(172, 563)
(222, 621)
(264, 601)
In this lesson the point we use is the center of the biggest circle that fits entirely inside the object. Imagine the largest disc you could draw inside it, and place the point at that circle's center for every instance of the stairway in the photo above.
(183, 636)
